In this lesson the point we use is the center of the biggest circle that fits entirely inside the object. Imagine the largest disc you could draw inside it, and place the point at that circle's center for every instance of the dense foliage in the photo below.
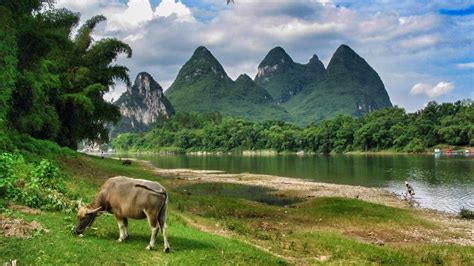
(36, 185)
(53, 80)
(386, 129)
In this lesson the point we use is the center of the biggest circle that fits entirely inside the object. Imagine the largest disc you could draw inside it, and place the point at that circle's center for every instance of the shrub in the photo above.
(35, 185)
(466, 214)
(47, 175)
(8, 177)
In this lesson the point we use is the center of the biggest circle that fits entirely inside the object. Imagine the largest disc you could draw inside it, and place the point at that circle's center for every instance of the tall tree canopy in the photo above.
(54, 82)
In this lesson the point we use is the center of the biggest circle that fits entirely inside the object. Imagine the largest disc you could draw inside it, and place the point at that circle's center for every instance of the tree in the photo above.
(83, 112)
(458, 128)
(54, 83)
(8, 61)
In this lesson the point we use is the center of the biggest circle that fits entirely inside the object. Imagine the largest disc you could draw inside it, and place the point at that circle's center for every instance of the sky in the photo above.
(422, 50)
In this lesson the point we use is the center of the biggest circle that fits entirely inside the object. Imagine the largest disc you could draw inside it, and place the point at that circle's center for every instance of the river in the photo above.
(443, 183)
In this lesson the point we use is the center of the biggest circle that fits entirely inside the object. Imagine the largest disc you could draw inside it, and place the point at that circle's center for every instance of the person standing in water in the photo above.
(409, 191)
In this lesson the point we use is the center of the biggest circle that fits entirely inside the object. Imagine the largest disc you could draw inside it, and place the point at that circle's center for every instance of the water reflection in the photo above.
(441, 182)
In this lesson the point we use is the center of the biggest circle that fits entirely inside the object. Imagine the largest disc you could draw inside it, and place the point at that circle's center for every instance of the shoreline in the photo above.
(456, 150)
(301, 153)
(307, 190)
(262, 153)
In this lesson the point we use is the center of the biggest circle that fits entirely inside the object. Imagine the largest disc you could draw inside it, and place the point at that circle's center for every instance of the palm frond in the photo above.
(83, 38)
(119, 73)
(105, 51)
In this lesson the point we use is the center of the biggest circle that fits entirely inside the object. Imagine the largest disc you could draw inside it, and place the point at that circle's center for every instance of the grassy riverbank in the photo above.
(243, 224)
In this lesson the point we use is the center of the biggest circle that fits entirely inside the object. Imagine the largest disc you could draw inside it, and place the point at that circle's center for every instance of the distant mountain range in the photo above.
(281, 90)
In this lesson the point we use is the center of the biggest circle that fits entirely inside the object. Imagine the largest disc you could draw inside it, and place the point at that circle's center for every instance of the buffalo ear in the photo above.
(93, 210)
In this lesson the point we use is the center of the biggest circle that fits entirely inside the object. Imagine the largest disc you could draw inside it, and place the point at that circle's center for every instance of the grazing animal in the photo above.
(129, 198)
(127, 162)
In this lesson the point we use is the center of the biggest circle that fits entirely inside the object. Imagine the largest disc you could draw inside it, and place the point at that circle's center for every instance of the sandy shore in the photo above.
(288, 186)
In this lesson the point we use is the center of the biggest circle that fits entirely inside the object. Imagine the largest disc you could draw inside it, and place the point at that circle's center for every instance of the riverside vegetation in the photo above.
(386, 129)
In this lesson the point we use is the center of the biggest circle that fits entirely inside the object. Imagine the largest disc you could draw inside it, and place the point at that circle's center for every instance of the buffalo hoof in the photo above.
(149, 247)
(167, 250)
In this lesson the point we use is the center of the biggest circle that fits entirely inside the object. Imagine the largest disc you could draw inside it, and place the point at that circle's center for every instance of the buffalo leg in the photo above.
(153, 221)
(123, 229)
(125, 222)
(164, 229)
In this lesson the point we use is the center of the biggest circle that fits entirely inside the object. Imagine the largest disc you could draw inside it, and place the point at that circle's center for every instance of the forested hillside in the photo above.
(282, 89)
(202, 85)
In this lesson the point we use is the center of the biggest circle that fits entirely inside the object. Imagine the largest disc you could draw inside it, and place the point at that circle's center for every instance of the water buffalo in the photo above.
(127, 162)
(129, 198)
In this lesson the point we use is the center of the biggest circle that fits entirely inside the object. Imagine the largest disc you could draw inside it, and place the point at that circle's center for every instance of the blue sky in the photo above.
(422, 50)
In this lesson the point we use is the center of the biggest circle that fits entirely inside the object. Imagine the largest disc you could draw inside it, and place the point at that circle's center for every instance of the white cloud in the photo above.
(136, 14)
(74, 4)
(420, 41)
(441, 88)
(466, 65)
(171, 7)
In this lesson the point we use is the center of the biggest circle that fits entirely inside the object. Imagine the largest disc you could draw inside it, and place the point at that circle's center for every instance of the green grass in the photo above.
(344, 250)
(334, 229)
(227, 190)
(358, 212)
(189, 246)
(60, 246)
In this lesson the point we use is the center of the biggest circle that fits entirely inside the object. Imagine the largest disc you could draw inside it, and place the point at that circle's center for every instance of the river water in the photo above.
(444, 183)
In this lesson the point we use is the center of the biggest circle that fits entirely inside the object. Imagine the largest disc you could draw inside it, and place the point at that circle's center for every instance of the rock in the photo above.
(379, 242)
(141, 105)
(322, 258)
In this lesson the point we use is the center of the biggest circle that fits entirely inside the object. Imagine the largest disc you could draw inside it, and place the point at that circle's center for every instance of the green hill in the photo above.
(202, 85)
(352, 87)
(282, 89)
(283, 78)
